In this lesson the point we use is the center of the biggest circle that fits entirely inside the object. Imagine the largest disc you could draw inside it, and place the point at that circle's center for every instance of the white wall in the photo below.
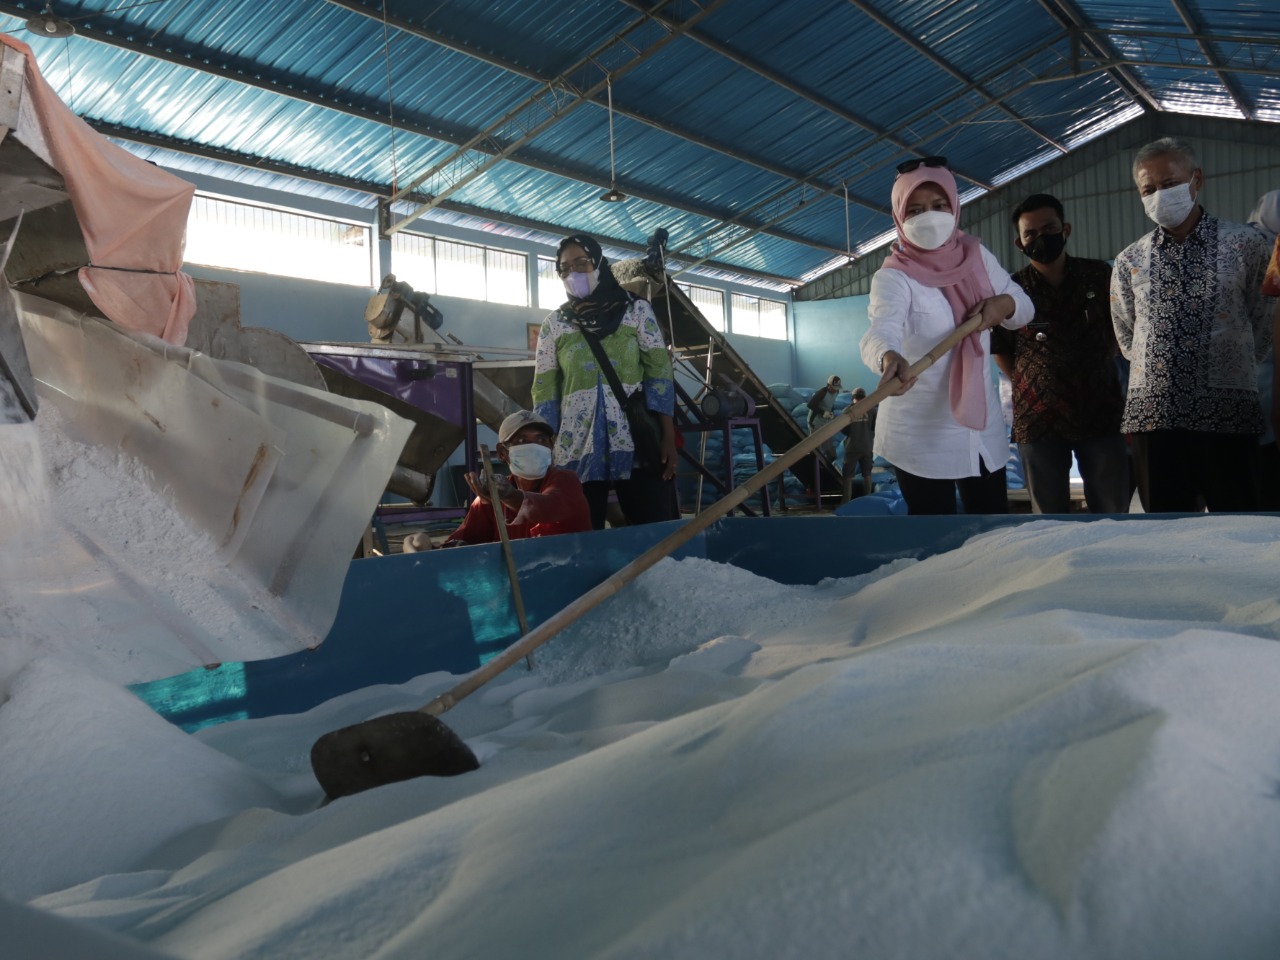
(313, 310)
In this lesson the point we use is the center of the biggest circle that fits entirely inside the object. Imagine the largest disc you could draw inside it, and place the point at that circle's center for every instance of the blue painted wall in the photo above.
(826, 342)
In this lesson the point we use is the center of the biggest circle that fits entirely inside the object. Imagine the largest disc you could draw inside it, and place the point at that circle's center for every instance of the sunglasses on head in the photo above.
(916, 162)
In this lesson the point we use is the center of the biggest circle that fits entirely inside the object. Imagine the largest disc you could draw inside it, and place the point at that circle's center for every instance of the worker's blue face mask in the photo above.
(529, 461)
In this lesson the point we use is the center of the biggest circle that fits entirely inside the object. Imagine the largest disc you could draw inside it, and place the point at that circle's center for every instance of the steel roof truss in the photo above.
(892, 27)
(1230, 86)
(790, 205)
(809, 96)
(544, 109)
(1068, 14)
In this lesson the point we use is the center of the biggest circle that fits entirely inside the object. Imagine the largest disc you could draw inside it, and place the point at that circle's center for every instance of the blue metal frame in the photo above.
(410, 614)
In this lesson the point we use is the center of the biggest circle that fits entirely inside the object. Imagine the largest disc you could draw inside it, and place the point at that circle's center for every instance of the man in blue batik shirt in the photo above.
(1190, 317)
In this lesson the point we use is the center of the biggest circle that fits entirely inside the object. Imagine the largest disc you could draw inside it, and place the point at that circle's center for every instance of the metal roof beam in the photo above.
(1198, 36)
(250, 74)
(543, 110)
(781, 196)
(1105, 66)
(950, 125)
(893, 28)
(809, 96)
(371, 188)
(1230, 86)
(689, 136)
(1069, 15)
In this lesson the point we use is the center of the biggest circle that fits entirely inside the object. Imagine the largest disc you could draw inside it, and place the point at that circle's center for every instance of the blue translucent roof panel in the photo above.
(758, 117)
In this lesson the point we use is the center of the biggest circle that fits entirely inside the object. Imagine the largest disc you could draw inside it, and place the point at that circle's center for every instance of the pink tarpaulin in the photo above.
(133, 216)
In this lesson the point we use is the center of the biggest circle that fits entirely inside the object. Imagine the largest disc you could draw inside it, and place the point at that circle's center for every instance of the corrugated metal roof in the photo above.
(739, 125)
(1095, 185)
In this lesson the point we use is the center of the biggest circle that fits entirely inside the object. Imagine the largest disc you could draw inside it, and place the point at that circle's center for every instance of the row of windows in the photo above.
(245, 236)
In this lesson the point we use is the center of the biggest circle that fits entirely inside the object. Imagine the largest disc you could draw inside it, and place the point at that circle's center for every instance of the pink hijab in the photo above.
(955, 268)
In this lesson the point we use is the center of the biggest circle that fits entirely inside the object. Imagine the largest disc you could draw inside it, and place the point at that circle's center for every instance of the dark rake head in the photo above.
(388, 749)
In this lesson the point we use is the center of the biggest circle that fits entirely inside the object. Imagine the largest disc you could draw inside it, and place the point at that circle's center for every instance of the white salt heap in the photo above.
(99, 569)
(1060, 740)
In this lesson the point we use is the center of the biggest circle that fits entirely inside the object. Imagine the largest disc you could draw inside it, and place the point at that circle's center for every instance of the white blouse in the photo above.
(916, 431)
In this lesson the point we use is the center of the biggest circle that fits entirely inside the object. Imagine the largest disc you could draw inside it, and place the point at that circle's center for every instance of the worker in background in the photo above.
(1189, 315)
(1266, 218)
(822, 408)
(1066, 388)
(538, 500)
(601, 325)
(859, 441)
(1271, 288)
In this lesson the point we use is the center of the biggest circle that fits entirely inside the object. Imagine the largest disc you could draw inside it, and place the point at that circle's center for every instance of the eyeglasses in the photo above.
(581, 265)
(541, 439)
(906, 166)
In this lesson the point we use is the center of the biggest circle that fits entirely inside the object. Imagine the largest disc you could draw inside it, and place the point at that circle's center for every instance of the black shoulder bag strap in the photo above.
(646, 433)
(606, 367)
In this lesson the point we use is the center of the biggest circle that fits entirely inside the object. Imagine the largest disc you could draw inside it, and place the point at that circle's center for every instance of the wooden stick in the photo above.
(500, 519)
(688, 530)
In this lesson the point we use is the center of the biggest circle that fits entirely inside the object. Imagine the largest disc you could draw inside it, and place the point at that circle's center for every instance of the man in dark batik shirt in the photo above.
(1066, 388)
(1190, 316)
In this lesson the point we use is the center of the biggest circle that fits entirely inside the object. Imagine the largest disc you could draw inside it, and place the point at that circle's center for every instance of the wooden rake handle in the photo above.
(499, 518)
(687, 531)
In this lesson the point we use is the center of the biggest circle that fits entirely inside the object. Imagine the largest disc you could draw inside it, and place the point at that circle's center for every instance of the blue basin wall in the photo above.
(448, 610)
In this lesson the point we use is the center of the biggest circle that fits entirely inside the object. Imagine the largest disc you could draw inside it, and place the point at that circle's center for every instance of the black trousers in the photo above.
(1177, 469)
(1104, 468)
(643, 498)
(982, 494)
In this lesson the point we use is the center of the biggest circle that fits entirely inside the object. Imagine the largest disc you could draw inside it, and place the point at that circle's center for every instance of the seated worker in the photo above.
(539, 500)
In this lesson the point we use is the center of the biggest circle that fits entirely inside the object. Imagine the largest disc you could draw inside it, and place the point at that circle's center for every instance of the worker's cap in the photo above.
(518, 421)
(833, 381)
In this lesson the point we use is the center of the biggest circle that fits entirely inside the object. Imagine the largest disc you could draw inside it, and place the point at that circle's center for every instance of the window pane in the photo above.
(508, 277)
(550, 289)
(746, 315)
(710, 303)
(773, 319)
(413, 260)
(459, 270)
(242, 236)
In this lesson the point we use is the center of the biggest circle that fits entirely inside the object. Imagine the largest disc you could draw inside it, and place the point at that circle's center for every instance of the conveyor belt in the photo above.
(701, 346)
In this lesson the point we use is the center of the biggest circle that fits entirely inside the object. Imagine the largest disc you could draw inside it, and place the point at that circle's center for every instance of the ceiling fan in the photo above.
(46, 23)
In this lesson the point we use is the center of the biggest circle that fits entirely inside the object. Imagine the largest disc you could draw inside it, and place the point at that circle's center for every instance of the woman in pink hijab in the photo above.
(943, 433)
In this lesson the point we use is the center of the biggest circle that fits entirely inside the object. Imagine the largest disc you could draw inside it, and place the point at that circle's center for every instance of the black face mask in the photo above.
(1046, 248)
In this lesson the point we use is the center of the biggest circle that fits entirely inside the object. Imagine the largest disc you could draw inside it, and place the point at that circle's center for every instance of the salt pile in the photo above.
(1060, 740)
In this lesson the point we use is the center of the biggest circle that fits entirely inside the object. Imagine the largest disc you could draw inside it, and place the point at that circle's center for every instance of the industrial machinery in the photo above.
(28, 181)
(387, 306)
(725, 381)
(18, 403)
(442, 385)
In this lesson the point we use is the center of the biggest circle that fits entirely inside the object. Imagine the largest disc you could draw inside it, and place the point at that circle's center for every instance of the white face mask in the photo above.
(530, 461)
(581, 284)
(1171, 206)
(930, 230)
